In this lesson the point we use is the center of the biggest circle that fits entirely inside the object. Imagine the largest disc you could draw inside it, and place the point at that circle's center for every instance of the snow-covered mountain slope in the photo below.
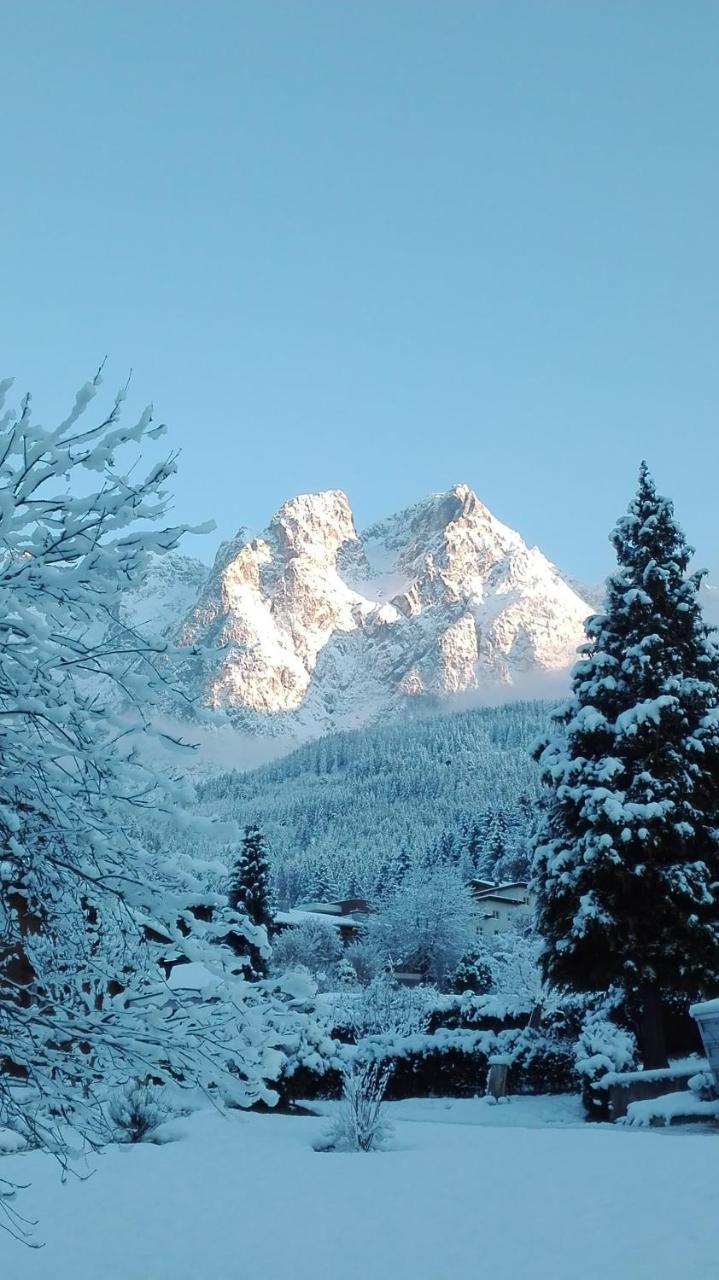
(157, 606)
(311, 626)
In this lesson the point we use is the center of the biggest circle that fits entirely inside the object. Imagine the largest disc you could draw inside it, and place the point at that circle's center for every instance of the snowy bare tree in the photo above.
(427, 923)
(90, 917)
(313, 945)
(513, 958)
(383, 1007)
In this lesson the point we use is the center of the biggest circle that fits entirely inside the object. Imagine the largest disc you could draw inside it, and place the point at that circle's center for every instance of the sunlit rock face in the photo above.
(312, 626)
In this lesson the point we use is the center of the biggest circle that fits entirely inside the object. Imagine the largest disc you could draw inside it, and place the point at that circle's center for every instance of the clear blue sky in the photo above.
(384, 245)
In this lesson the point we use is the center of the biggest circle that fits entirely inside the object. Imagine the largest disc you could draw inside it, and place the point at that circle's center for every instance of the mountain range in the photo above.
(313, 626)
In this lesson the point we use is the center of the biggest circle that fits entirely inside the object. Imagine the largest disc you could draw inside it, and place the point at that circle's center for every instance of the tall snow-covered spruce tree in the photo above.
(91, 913)
(250, 891)
(626, 864)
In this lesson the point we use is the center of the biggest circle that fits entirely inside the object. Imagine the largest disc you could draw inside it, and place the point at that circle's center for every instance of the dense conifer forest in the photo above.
(348, 812)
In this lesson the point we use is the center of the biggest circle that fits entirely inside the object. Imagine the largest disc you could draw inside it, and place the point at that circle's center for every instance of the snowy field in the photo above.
(466, 1189)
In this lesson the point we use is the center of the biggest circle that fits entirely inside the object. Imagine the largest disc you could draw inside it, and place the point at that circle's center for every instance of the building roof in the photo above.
(499, 897)
(499, 890)
(300, 915)
(339, 907)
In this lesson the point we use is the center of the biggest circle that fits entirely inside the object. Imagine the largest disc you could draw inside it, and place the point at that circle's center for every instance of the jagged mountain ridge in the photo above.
(312, 626)
(157, 605)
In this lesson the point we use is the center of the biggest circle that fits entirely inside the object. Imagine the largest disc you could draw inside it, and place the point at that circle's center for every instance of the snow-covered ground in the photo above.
(467, 1189)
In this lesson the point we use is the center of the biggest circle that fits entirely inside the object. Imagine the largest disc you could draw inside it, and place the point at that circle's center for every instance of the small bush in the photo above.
(703, 1085)
(311, 945)
(473, 973)
(383, 1007)
(137, 1111)
(360, 1124)
(365, 960)
(602, 1046)
(345, 975)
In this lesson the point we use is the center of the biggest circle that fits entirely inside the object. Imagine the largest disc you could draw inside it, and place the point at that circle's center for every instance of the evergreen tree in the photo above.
(354, 888)
(495, 848)
(473, 842)
(447, 849)
(400, 867)
(250, 894)
(250, 889)
(322, 890)
(626, 862)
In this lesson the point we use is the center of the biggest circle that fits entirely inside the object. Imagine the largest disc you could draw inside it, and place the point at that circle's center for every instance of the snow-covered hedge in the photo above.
(485, 1012)
(449, 1060)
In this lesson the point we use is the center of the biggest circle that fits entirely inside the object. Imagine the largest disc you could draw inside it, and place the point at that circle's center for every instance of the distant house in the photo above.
(343, 907)
(346, 915)
(501, 905)
(482, 886)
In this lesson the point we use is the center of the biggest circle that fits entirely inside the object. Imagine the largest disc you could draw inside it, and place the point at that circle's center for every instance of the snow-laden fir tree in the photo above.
(91, 914)
(250, 893)
(626, 864)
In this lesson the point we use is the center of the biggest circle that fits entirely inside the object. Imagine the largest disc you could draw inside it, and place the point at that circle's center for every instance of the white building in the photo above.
(501, 905)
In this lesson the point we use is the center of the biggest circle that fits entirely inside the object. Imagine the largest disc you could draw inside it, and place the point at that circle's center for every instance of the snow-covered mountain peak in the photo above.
(317, 627)
(444, 547)
(315, 524)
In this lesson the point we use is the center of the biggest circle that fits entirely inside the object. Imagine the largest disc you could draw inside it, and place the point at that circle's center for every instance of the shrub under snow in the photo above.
(360, 1124)
(383, 1008)
(311, 945)
(136, 1111)
(602, 1046)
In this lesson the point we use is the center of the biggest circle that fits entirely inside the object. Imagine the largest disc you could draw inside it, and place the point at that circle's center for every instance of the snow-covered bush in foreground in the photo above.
(603, 1046)
(136, 1111)
(359, 1124)
(703, 1085)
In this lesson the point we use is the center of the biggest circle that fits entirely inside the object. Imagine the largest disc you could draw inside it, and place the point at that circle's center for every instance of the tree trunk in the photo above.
(650, 1029)
(535, 1017)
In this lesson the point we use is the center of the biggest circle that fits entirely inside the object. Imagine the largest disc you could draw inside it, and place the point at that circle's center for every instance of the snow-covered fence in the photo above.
(624, 1088)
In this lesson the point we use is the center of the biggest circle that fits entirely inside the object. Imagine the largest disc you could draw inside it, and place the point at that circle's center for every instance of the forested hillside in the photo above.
(349, 812)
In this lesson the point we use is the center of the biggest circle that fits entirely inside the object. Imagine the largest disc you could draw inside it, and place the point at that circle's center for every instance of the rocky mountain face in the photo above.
(169, 589)
(313, 626)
